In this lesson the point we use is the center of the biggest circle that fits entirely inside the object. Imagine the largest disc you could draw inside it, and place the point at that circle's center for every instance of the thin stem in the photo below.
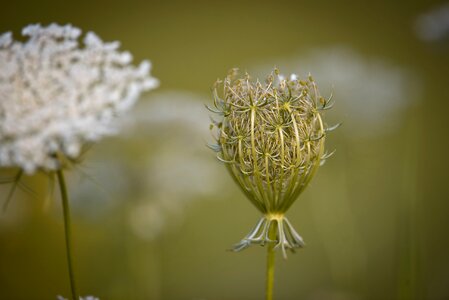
(270, 261)
(13, 189)
(67, 231)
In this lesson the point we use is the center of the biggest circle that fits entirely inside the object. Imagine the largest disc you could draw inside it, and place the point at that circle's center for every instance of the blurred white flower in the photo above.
(175, 180)
(170, 173)
(81, 298)
(56, 94)
(181, 172)
(370, 94)
(433, 26)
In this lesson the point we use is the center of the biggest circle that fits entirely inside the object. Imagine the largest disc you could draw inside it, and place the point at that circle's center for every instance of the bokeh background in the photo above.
(153, 210)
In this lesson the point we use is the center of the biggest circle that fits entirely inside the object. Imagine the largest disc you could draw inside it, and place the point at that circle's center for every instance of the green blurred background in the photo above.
(154, 211)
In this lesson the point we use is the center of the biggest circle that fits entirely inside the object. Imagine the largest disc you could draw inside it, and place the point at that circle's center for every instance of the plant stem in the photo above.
(270, 261)
(67, 231)
(13, 189)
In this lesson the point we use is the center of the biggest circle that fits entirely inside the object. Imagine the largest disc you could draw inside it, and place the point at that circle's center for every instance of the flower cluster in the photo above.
(81, 298)
(271, 137)
(57, 94)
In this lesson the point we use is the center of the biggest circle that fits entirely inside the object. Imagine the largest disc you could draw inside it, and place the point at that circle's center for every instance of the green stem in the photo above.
(67, 231)
(270, 261)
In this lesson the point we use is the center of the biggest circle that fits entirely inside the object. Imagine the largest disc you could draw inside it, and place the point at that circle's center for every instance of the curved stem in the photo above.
(67, 231)
(270, 262)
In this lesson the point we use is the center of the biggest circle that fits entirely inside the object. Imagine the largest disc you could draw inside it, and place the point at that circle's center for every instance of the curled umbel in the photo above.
(271, 136)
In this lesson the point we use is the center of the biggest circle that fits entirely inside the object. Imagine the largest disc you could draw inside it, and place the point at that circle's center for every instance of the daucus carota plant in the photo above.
(271, 138)
(58, 95)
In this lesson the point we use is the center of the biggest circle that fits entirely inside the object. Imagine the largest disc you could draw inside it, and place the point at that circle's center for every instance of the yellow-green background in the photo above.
(375, 218)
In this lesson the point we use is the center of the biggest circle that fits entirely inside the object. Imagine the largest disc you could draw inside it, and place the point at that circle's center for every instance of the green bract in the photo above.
(271, 137)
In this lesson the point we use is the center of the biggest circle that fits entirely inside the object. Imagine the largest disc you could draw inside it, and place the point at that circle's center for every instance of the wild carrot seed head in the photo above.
(271, 136)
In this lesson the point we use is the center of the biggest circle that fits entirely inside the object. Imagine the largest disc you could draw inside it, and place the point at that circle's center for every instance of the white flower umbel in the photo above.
(57, 94)
(81, 298)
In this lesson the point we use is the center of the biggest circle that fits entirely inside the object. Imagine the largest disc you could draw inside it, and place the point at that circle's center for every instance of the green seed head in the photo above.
(271, 136)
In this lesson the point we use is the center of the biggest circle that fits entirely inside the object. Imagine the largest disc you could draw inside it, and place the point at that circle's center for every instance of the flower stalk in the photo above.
(67, 233)
(270, 263)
